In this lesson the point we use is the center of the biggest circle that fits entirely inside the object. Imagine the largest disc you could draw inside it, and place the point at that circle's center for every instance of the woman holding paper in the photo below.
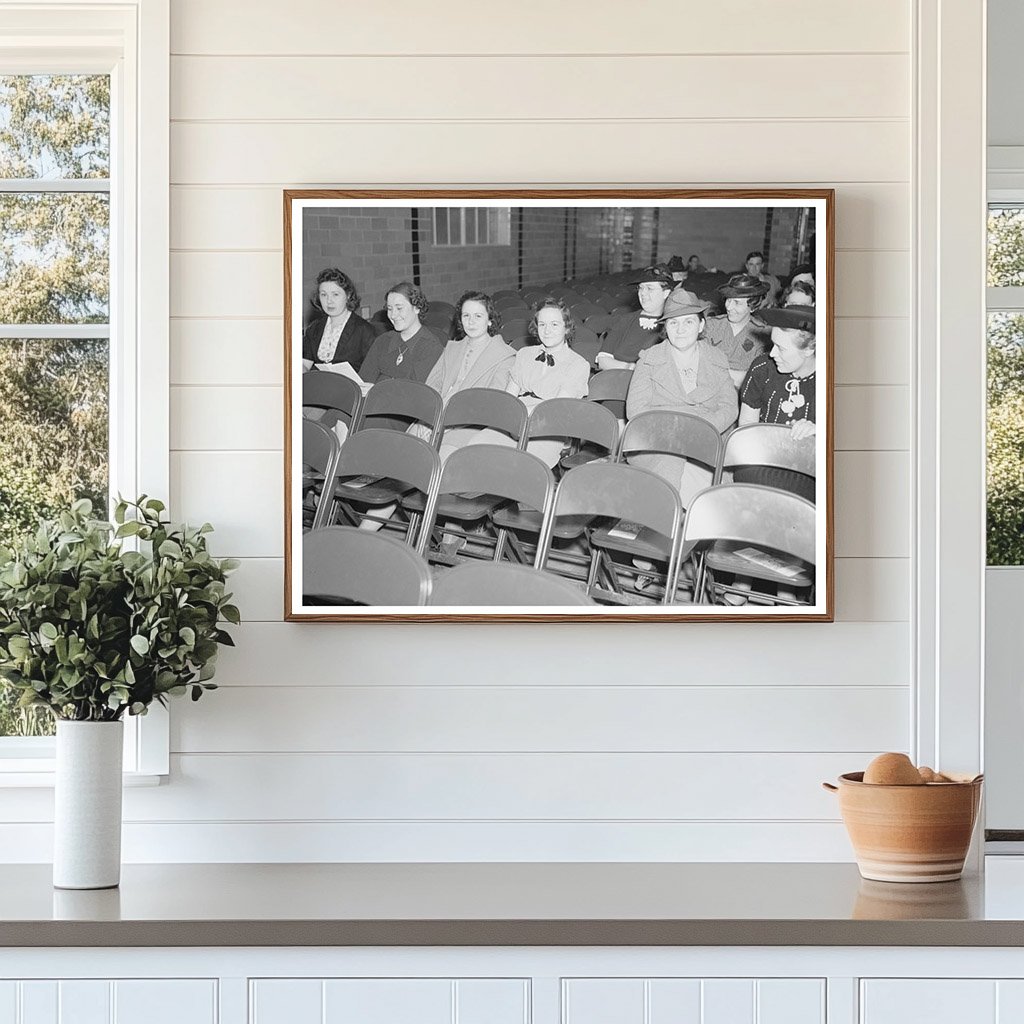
(410, 351)
(341, 335)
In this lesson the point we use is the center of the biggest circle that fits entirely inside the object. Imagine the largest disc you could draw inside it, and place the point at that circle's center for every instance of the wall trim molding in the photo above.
(948, 449)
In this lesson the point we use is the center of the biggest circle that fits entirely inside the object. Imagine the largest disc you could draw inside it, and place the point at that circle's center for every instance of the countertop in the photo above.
(557, 904)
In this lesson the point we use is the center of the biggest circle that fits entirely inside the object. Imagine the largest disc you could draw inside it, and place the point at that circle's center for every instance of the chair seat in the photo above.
(371, 490)
(465, 507)
(515, 518)
(632, 539)
(582, 457)
(724, 556)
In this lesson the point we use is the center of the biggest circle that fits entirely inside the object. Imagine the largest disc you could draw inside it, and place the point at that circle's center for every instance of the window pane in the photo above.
(54, 126)
(455, 226)
(440, 227)
(1005, 439)
(470, 220)
(54, 257)
(1005, 246)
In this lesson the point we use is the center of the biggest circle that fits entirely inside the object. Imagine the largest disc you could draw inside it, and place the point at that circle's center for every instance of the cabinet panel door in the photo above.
(8, 1002)
(936, 1001)
(150, 1001)
(693, 1001)
(84, 1002)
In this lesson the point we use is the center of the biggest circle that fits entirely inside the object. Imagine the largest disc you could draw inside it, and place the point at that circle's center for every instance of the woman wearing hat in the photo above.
(781, 388)
(628, 338)
(736, 335)
(685, 373)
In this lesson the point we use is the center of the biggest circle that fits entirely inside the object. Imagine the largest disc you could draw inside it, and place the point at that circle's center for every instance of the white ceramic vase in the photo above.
(87, 805)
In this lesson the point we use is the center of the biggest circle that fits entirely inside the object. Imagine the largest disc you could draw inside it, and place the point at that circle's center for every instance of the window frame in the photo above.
(130, 41)
(504, 228)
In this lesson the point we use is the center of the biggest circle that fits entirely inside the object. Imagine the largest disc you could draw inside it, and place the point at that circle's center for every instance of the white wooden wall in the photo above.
(681, 741)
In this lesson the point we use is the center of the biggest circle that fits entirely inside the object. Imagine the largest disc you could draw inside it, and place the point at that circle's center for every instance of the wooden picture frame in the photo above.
(593, 250)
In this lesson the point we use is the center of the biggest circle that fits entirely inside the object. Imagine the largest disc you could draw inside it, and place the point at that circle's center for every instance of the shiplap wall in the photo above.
(680, 741)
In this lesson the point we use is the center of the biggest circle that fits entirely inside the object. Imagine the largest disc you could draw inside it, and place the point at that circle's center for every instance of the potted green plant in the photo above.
(93, 629)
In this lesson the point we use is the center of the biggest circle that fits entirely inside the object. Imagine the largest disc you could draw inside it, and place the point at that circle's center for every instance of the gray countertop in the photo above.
(518, 904)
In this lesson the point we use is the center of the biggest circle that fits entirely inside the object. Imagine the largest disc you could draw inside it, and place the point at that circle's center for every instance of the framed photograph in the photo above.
(526, 405)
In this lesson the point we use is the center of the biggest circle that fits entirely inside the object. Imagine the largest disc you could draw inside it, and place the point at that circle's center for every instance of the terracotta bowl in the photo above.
(909, 833)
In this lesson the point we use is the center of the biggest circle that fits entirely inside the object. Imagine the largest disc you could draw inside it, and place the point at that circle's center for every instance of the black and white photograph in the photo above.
(558, 405)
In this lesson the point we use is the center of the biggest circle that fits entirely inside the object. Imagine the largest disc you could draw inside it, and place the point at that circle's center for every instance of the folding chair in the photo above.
(648, 519)
(398, 404)
(477, 480)
(373, 471)
(342, 565)
(485, 408)
(485, 583)
(577, 421)
(607, 388)
(439, 323)
(766, 454)
(586, 343)
(320, 451)
(515, 327)
(763, 534)
(598, 323)
(669, 432)
(338, 397)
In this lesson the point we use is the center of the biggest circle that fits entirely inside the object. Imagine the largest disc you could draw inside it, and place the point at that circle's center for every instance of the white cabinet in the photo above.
(102, 1001)
(956, 1001)
(389, 1001)
(693, 1001)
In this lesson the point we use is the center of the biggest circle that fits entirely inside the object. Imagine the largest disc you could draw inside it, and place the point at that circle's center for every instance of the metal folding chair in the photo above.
(486, 583)
(342, 565)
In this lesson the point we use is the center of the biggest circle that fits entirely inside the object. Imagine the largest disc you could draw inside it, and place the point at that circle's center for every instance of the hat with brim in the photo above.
(659, 274)
(790, 318)
(682, 303)
(743, 286)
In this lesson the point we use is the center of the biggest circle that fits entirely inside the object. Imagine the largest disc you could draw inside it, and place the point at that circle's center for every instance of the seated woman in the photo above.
(781, 388)
(629, 337)
(341, 335)
(477, 357)
(549, 370)
(686, 373)
(410, 351)
(737, 335)
(799, 293)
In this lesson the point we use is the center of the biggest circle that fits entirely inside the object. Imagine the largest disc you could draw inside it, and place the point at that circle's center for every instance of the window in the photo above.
(54, 308)
(473, 226)
(1005, 470)
(84, 123)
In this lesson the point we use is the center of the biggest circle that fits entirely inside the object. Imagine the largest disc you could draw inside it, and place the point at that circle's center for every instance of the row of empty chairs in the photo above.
(618, 513)
(501, 502)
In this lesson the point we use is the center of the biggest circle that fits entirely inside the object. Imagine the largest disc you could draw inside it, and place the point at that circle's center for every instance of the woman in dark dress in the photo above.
(341, 335)
(410, 351)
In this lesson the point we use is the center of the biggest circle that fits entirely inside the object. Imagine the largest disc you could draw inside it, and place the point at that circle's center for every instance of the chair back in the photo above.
(486, 407)
(625, 493)
(508, 473)
(515, 327)
(407, 400)
(669, 432)
(319, 448)
(439, 323)
(610, 387)
(436, 306)
(769, 444)
(342, 564)
(491, 583)
(332, 391)
(752, 514)
(586, 343)
(598, 322)
(576, 418)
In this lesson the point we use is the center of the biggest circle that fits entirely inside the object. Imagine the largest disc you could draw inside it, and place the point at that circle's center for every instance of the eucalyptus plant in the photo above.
(91, 629)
